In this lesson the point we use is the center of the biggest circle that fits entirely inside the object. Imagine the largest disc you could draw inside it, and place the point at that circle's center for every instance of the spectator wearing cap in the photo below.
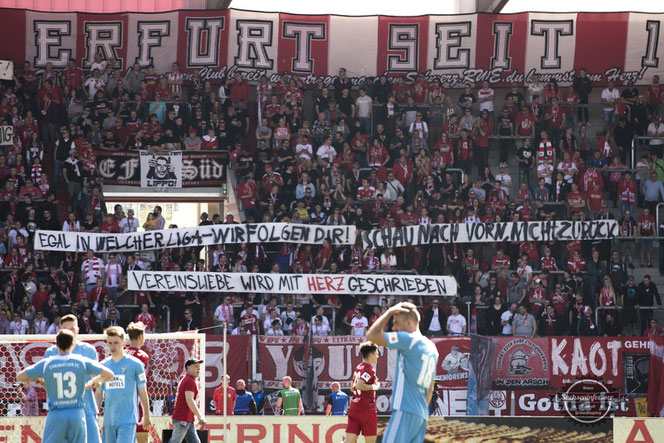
(435, 320)
(504, 179)
(186, 411)
(192, 142)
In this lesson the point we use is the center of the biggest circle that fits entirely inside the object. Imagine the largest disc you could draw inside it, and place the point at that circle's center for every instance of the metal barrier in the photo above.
(163, 307)
(282, 308)
(619, 308)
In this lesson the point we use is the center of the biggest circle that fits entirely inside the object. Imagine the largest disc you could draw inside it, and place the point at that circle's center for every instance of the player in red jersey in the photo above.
(362, 415)
(136, 332)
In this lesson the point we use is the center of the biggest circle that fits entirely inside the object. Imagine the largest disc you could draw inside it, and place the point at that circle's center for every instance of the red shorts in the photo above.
(363, 422)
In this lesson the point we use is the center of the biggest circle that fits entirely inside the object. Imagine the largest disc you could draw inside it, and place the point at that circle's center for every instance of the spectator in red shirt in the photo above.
(595, 200)
(240, 90)
(575, 199)
(186, 409)
(73, 75)
(653, 330)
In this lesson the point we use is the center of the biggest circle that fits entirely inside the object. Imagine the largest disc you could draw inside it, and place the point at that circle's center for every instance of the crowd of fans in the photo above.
(383, 153)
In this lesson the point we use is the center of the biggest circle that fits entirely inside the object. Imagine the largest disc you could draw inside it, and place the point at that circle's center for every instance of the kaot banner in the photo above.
(353, 284)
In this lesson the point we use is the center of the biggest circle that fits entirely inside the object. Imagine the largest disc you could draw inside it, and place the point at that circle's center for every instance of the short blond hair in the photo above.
(115, 331)
(135, 330)
(412, 313)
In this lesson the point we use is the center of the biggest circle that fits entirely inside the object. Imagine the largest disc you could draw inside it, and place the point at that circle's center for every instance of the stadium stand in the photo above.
(383, 154)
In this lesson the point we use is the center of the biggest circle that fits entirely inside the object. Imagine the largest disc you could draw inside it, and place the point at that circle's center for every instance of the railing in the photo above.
(282, 308)
(619, 308)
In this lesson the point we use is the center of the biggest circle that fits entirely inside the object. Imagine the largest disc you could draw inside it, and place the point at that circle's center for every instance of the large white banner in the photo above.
(161, 170)
(456, 49)
(539, 231)
(198, 236)
(292, 283)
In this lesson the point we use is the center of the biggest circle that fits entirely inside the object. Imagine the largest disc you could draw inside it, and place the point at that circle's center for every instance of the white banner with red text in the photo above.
(179, 281)
(196, 236)
(456, 49)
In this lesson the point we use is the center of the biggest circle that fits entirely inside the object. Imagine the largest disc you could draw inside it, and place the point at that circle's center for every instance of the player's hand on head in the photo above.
(399, 309)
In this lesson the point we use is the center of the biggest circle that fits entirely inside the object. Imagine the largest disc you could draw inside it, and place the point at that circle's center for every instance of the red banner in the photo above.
(574, 358)
(238, 358)
(521, 363)
(453, 361)
(456, 49)
(335, 358)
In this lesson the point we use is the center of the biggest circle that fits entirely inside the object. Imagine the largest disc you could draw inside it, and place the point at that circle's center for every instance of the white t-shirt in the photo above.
(224, 313)
(19, 327)
(435, 322)
(456, 324)
(327, 152)
(422, 127)
(359, 326)
(101, 66)
(542, 169)
(658, 130)
(484, 94)
(363, 106)
(94, 84)
(325, 320)
(267, 324)
(611, 97)
(504, 179)
(507, 329)
(292, 315)
(128, 225)
(300, 149)
(535, 89)
(322, 330)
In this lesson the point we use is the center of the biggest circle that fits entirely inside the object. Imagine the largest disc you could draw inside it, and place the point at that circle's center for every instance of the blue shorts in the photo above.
(65, 425)
(405, 428)
(92, 424)
(125, 433)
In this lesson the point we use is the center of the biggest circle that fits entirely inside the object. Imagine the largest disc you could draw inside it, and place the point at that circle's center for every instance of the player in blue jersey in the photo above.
(64, 376)
(121, 393)
(70, 322)
(337, 402)
(414, 375)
